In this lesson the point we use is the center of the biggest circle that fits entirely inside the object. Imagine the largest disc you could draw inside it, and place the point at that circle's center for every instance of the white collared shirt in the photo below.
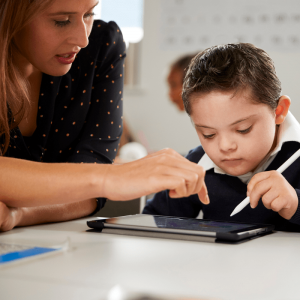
(288, 131)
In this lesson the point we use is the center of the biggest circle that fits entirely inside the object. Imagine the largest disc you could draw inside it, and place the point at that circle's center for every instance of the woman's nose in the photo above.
(80, 35)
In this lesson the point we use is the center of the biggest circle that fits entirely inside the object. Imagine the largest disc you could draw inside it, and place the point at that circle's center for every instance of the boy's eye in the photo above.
(62, 23)
(246, 130)
(210, 136)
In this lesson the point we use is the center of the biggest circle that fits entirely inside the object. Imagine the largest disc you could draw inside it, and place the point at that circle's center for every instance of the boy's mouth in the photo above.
(231, 159)
(232, 162)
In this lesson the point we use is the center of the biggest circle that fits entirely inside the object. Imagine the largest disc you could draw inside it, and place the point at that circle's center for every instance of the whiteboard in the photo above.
(194, 25)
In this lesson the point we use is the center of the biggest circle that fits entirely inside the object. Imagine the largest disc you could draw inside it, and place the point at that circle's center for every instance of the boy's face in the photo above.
(234, 132)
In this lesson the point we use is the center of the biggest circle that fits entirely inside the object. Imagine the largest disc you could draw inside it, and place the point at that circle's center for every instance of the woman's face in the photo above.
(174, 79)
(52, 40)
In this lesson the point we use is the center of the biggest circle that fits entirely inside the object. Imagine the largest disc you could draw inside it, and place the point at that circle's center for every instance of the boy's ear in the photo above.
(282, 109)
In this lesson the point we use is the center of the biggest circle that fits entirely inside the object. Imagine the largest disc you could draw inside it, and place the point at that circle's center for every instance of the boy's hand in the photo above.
(276, 193)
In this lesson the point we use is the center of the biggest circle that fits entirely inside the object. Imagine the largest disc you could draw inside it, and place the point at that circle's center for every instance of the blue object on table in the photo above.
(23, 253)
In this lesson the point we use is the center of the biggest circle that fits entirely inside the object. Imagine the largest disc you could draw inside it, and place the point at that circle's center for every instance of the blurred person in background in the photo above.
(175, 79)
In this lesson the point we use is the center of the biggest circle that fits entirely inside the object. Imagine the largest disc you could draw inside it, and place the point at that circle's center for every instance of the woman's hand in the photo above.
(276, 193)
(41, 184)
(165, 169)
(9, 217)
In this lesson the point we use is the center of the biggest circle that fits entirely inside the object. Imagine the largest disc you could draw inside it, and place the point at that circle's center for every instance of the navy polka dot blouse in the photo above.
(80, 114)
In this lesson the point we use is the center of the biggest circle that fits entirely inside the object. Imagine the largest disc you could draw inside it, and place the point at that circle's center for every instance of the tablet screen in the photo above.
(199, 225)
(178, 223)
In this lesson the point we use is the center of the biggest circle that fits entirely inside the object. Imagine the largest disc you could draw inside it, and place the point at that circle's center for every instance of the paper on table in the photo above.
(10, 253)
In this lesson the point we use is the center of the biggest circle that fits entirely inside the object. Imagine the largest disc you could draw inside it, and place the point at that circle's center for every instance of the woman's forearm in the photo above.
(54, 213)
(26, 183)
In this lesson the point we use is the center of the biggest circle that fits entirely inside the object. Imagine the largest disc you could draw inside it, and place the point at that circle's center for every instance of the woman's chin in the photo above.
(58, 71)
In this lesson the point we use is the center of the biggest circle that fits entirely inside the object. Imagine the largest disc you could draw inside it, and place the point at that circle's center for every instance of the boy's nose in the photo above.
(227, 145)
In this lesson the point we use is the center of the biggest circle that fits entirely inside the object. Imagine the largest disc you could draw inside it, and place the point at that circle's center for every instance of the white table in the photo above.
(264, 268)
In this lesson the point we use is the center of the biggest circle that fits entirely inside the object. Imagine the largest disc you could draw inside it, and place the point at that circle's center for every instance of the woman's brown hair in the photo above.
(232, 67)
(14, 15)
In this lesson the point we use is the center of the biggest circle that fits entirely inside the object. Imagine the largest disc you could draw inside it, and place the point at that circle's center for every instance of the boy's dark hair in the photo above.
(232, 67)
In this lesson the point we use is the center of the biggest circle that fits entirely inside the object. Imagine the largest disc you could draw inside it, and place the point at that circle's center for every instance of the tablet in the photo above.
(180, 228)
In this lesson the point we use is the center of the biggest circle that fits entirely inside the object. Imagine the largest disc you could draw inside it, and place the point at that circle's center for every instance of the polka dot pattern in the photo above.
(79, 117)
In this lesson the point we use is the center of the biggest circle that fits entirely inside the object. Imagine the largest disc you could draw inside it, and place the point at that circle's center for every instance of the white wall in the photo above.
(149, 110)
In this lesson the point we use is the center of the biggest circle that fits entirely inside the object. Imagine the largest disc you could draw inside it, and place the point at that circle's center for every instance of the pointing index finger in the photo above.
(203, 195)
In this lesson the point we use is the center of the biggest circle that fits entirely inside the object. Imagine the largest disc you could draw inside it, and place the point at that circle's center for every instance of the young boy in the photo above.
(233, 97)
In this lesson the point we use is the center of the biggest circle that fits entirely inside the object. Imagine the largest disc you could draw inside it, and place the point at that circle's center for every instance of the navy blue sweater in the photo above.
(226, 192)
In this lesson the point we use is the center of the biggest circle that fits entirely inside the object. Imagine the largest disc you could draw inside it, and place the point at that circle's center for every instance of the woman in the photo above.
(61, 105)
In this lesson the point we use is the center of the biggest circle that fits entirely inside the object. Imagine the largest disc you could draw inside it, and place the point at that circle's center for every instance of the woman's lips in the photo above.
(66, 58)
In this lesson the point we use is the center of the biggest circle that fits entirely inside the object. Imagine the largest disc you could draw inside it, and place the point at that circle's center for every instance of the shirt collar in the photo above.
(288, 131)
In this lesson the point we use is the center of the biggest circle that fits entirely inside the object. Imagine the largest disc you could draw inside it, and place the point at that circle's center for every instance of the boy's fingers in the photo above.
(256, 179)
(269, 197)
(278, 204)
(258, 191)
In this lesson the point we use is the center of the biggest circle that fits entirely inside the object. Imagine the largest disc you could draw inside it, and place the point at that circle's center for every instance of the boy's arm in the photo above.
(162, 204)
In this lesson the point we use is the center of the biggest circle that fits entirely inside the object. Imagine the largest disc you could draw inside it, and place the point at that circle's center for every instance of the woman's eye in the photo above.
(89, 15)
(62, 23)
(246, 130)
(210, 136)
(66, 22)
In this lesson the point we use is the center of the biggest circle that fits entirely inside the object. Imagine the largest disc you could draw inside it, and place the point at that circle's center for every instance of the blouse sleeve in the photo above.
(101, 133)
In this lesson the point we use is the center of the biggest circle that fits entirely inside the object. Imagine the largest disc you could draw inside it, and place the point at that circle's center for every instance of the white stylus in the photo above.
(284, 166)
